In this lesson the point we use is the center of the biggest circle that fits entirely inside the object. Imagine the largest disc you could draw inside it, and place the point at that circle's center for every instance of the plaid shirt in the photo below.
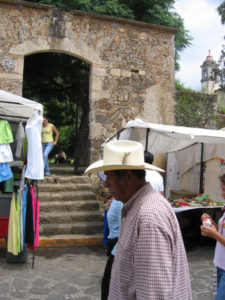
(150, 261)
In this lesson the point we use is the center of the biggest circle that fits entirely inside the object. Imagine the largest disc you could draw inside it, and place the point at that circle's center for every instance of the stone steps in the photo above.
(66, 196)
(92, 227)
(49, 206)
(69, 211)
(65, 179)
(54, 187)
(70, 236)
(69, 240)
(68, 217)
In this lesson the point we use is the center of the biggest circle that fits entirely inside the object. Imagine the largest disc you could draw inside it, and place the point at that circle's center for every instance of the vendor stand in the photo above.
(188, 152)
(23, 118)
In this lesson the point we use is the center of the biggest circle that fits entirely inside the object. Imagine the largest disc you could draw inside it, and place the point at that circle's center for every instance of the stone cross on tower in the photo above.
(210, 79)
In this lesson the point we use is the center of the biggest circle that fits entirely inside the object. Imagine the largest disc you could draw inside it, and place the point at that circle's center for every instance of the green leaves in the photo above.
(114, 8)
(221, 11)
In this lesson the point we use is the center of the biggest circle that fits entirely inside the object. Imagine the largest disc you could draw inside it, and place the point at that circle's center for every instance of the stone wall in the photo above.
(132, 63)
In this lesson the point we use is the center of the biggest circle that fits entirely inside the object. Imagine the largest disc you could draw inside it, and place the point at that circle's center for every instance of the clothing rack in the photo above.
(35, 184)
(34, 124)
(16, 186)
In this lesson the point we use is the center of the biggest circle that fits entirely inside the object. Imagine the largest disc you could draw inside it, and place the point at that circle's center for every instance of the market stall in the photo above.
(17, 108)
(188, 151)
(20, 150)
(189, 146)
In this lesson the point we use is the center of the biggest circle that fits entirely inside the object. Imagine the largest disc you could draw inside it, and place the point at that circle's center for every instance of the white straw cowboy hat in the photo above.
(121, 155)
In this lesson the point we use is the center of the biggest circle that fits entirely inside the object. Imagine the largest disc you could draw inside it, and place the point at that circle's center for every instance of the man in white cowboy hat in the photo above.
(150, 261)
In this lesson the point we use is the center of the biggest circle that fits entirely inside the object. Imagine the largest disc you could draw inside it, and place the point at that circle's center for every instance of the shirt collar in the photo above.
(134, 199)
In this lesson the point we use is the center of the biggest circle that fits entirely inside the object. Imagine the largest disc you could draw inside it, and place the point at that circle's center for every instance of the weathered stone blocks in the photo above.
(132, 63)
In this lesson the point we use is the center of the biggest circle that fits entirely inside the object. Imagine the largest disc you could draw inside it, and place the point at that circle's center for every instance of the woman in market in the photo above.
(48, 142)
(217, 232)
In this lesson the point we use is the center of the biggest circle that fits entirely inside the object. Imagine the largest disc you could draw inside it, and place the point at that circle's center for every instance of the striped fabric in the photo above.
(150, 262)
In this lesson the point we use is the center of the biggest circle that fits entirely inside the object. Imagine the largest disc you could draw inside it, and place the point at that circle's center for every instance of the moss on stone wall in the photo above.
(194, 109)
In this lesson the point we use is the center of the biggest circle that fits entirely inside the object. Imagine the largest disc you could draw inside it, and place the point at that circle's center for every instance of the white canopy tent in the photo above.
(165, 139)
(14, 107)
(159, 138)
(162, 139)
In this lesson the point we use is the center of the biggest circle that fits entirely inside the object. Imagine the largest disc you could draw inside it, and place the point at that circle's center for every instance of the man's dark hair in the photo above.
(140, 174)
(149, 157)
(222, 178)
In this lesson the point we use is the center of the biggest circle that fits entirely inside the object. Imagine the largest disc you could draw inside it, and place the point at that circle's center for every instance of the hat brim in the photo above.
(99, 166)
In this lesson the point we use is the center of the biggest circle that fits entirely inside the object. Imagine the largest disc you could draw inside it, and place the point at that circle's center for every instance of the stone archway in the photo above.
(61, 83)
(132, 63)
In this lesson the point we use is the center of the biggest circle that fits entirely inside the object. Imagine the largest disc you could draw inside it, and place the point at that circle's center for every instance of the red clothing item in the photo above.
(35, 209)
(150, 261)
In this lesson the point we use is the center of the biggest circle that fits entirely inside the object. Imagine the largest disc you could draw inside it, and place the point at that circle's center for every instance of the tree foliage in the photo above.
(181, 87)
(160, 12)
(221, 11)
(222, 68)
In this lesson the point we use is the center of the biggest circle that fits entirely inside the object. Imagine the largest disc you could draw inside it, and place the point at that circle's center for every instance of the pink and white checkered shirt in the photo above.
(150, 261)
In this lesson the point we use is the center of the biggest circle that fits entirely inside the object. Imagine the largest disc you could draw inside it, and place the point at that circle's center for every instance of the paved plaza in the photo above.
(75, 273)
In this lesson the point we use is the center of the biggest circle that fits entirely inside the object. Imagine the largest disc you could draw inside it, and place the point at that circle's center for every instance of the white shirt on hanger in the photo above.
(35, 165)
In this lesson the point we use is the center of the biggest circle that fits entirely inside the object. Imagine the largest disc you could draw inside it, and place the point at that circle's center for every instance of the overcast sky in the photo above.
(203, 22)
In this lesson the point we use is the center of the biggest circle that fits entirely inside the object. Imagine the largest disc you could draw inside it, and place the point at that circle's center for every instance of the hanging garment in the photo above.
(5, 172)
(18, 223)
(20, 136)
(36, 208)
(32, 219)
(35, 166)
(24, 213)
(22, 210)
(6, 136)
(13, 227)
(5, 153)
(29, 230)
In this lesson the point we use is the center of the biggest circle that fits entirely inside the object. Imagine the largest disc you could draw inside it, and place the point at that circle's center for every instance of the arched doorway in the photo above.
(61, 83)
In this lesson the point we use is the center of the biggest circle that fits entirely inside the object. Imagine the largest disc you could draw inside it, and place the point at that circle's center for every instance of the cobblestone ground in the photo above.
(200, 261)
(75, 273)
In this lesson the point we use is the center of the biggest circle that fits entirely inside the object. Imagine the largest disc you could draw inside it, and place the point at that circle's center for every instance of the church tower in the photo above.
(210, 79)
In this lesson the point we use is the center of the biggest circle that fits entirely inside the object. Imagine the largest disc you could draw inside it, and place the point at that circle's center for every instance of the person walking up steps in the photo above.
(48, 142)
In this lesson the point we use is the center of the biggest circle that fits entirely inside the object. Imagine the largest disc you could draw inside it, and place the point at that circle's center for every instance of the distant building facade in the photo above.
(210, 81)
